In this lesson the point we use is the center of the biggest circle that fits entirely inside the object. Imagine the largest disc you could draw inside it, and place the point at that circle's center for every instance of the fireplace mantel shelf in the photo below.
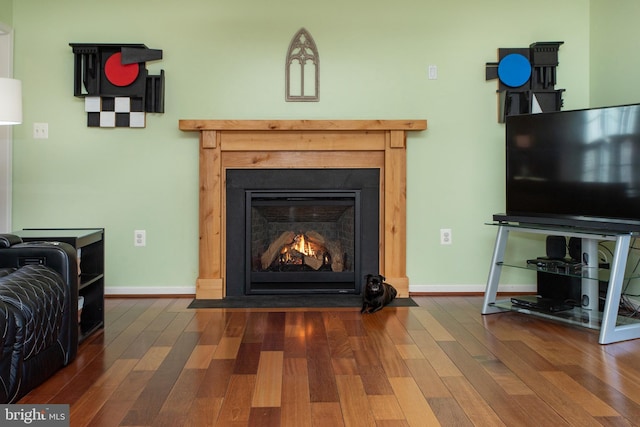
(272, 144)
(309, 125)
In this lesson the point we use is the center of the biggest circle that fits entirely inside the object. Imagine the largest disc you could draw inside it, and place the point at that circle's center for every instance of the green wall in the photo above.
(6, 12)
(224, 59)
(615, 59)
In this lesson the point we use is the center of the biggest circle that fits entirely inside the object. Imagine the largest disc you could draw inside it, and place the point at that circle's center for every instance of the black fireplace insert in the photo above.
(292, 231)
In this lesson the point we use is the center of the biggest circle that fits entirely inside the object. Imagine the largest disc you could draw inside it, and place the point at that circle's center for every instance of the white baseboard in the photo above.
(453, 289)
(443, 289)
(148, 290)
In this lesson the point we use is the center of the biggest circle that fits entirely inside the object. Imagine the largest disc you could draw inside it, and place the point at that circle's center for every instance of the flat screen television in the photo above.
(574, 168)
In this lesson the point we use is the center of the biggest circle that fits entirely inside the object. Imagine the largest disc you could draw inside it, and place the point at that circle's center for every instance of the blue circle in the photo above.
(514, 70)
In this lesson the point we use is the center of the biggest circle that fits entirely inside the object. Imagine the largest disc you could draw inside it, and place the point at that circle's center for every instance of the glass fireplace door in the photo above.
(302, 241)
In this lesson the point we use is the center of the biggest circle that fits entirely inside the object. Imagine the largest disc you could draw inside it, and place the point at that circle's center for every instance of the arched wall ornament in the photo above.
(302, 69)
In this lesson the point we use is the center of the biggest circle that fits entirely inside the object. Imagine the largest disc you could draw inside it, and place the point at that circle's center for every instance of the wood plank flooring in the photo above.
(158, 363)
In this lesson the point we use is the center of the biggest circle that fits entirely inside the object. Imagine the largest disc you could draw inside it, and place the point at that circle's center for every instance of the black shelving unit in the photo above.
(89, 243)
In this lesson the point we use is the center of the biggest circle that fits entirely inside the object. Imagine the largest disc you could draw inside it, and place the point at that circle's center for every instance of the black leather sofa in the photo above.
(38, 313)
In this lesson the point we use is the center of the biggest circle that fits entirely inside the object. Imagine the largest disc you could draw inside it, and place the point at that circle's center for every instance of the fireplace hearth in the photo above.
(301, 230)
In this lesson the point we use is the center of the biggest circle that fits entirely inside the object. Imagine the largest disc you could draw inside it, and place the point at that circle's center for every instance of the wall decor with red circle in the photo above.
(115, 84)
(527, 78)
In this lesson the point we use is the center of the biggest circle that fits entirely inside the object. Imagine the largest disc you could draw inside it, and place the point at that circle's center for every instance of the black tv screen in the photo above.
(575, 168)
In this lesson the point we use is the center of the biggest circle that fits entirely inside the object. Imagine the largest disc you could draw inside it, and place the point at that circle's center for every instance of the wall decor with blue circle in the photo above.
(527, 79)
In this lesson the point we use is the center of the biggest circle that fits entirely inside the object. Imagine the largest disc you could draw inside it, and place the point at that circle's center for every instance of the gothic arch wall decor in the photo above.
(302, 69)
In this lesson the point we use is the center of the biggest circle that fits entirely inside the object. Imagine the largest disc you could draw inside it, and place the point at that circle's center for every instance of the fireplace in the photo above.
(301, 230)
(299, 144)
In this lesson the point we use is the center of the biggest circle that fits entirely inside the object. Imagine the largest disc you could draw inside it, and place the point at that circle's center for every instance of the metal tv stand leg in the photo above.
(609, 332)
(494, 272)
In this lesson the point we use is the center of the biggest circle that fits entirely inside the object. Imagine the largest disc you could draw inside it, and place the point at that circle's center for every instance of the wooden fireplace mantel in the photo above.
(271, 144)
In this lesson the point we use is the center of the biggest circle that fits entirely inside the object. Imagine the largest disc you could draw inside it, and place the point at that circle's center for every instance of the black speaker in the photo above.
(560, 288)
(575, 248)
(556, 247)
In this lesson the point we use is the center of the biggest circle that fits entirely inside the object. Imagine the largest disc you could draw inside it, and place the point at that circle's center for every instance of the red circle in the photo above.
(120, 74)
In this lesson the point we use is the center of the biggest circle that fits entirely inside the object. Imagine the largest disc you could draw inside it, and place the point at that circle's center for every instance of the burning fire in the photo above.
(300, 248)
(301, 245)
(310, 250)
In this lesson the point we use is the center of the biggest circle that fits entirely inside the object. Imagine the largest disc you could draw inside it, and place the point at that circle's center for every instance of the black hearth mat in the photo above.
(292, 301)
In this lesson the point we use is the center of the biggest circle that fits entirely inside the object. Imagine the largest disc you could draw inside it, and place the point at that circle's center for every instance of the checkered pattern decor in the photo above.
(119, 111)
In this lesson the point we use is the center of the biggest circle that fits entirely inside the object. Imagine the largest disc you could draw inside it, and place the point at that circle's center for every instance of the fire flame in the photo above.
(302, 246)
(301, 249)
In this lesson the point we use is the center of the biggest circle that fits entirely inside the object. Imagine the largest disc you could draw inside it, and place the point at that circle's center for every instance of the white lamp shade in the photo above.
(10, 101)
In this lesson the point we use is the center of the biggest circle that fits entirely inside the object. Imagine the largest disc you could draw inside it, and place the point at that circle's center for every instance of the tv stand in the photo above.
(613, 328)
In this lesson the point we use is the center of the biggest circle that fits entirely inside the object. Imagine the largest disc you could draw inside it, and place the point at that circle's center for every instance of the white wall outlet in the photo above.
(40, 130)
(446, 237)
(433, 72)
(140, 238)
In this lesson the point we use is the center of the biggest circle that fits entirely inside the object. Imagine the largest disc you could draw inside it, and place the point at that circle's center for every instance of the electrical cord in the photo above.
(626, 305)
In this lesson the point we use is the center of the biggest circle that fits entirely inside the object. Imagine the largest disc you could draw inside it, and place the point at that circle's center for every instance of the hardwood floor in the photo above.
(158, 363)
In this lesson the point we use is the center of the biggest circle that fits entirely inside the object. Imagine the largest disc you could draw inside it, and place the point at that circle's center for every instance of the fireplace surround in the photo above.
(300, 144)
(294, 231)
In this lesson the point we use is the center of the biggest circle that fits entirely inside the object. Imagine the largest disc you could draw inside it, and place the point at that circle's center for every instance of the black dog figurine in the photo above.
(376, 293)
